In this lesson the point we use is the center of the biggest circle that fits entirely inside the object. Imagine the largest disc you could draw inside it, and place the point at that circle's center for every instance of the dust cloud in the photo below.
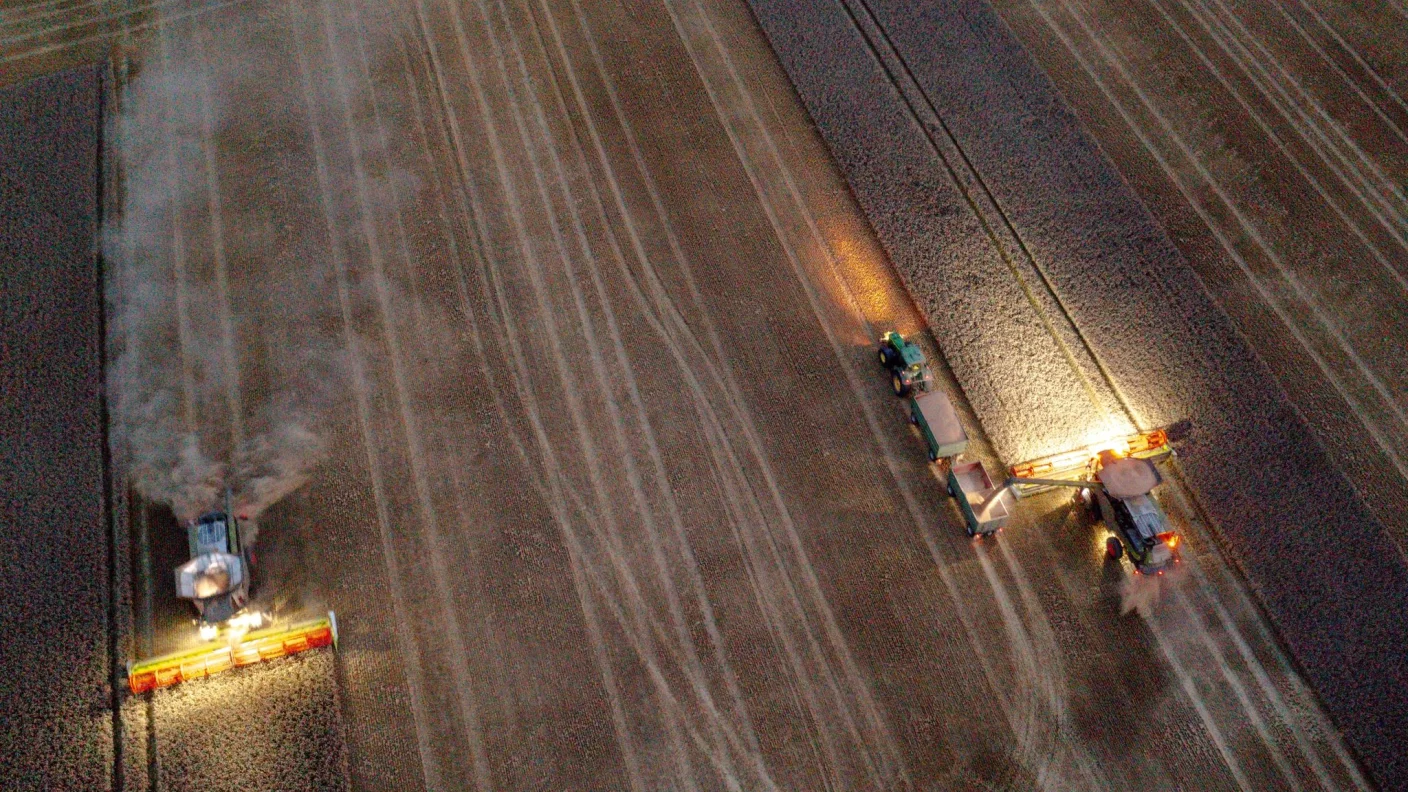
(1141, 593)
(227, 352)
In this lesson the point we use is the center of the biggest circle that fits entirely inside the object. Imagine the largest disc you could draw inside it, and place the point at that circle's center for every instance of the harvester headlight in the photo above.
(248, 620)
(243, 623)
(208, 632)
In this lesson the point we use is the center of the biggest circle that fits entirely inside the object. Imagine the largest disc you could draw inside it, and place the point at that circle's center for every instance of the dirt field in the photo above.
(611, 494)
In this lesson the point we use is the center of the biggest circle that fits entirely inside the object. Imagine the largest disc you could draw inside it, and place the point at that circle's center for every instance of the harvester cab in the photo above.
(909, 369)
(1115, 485)
(216, 579)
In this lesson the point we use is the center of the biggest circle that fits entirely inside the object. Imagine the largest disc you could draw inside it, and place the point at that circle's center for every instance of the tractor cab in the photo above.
(908, 367)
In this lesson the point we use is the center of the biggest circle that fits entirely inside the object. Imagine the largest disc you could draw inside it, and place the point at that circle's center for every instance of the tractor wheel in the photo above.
(887, 357)
(1113, 548)
(901, 387)
(912, 419)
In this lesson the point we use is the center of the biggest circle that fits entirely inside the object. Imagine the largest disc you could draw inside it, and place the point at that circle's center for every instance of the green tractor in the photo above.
(909, 369)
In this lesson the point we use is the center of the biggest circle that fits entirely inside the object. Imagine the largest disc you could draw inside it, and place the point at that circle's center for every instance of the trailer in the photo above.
(984, 507)
(938, 423)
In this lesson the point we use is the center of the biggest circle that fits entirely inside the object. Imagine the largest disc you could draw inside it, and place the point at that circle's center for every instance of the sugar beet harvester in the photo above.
(216, 580)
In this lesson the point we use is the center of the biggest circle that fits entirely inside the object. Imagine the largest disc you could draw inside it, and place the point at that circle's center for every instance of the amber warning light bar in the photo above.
(254, 647)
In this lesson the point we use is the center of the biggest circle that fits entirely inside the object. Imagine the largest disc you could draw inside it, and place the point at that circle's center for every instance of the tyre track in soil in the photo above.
(1028, 598)
(1360, 403)
(121, 638)
(636, 626)
(232, 371)
(1018, 636)
(654, 310)
(154, 713)
(638, 407)
(552, 494)
(134, 721)
(85, 15)
(229, 374)
(138, 726)
(678, 254)
(1284, 147)
(661, 567)
(67, 52)
(466, 697)
(520, 380)
(1239, 689)
(1308, 120)
(1315, 740)
(463, 306)
(236, 378)
(1215, 733)
(1004, 602)
(714, 438)
(680, 258)
(1229, 675)
(1355, 86)
(174, 256)
(366, 440)
(450, 133)
(1247, 708)
(403, 579)
(1361, 63)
